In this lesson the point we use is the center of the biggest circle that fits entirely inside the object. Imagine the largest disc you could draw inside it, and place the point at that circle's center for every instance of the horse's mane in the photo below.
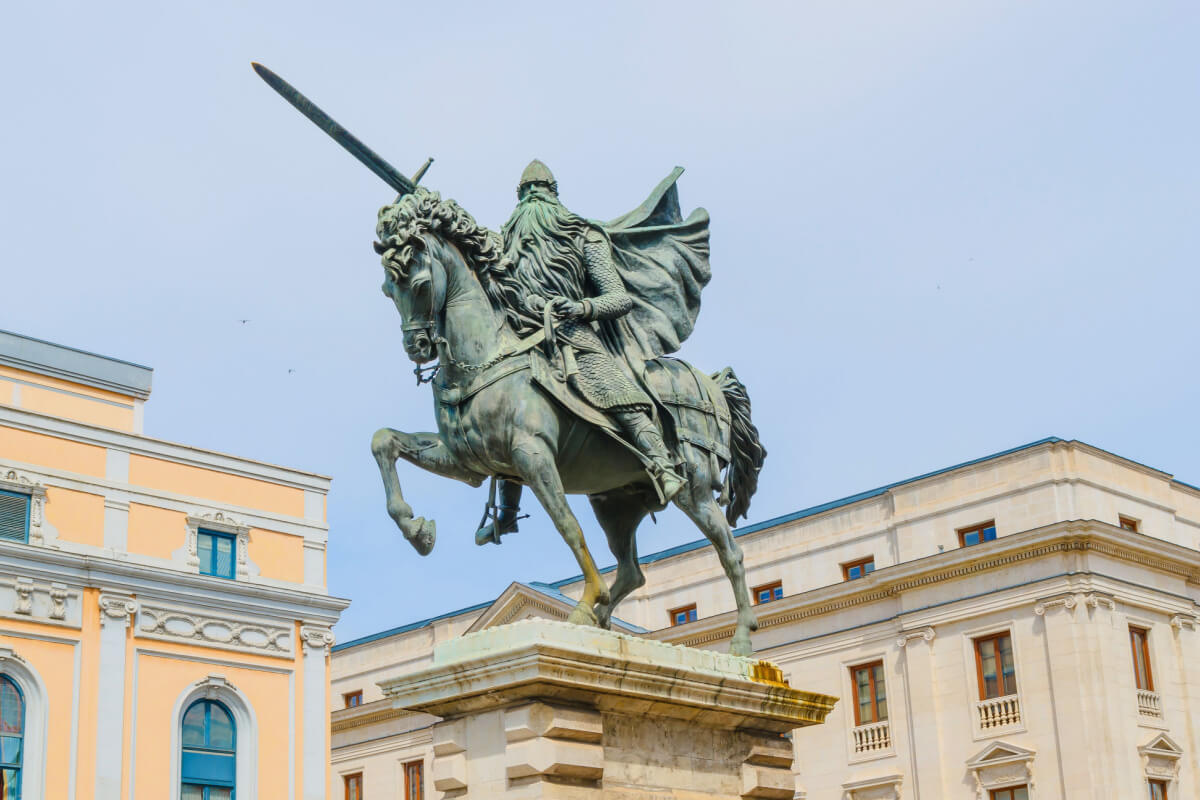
(403, 226)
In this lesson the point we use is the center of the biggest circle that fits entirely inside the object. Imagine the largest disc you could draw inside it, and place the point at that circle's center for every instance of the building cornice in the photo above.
(888, 582)
(149, 582)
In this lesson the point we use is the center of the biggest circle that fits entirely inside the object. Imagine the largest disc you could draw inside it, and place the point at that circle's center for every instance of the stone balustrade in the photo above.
(999, 712)
(1149, 703)
(874, 737)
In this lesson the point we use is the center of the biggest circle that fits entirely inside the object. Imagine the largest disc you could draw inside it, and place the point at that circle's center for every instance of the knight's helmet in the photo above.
(537, 172)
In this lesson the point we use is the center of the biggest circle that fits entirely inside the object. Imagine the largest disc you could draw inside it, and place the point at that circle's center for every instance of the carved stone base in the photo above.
(540, 709)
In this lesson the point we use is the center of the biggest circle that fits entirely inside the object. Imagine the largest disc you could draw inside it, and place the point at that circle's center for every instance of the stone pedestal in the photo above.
(541, 709)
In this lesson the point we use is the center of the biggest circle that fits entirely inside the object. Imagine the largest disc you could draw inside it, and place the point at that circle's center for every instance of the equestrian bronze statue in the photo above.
(552, 342)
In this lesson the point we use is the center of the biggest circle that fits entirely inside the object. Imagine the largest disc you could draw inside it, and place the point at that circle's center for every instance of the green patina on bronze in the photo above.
(552, 342)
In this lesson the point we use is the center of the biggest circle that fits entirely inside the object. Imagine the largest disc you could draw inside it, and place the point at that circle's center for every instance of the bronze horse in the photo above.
(503, 411)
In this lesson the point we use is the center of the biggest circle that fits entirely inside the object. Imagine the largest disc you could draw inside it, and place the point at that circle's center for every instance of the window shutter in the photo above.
(14, 516)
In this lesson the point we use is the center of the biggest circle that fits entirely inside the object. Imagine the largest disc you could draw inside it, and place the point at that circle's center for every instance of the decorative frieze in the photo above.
(213, 630)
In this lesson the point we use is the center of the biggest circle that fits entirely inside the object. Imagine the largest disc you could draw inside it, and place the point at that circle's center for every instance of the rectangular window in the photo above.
(1128, 523)
(414, 780)
(870, 694)
(858, 569)
(977, 534)
(353, 786)
(353, 699)
(1141, 659)
(216, 552)
(1158, 790)
(997, 671)
(14, 516)
(767, 592)
(684, 615)
(1010, 793)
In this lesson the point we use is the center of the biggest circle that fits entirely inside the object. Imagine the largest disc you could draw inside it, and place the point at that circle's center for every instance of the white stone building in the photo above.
(1019, 626)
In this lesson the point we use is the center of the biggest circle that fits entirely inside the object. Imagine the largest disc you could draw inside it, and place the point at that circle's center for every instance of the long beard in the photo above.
(543, 248)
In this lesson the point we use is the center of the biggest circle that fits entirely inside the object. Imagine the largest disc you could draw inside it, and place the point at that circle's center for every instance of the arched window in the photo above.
(12, 738)
(208, 766)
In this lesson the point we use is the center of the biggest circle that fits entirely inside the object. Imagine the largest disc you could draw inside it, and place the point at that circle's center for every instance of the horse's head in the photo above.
(421, 237)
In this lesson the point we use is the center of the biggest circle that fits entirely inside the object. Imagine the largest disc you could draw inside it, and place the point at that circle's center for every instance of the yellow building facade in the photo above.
(165, 625)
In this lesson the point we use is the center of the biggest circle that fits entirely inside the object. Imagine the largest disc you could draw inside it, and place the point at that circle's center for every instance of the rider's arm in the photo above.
(611, 300)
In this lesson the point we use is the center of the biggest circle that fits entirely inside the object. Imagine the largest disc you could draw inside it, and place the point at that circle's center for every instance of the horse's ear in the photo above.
(380, 247)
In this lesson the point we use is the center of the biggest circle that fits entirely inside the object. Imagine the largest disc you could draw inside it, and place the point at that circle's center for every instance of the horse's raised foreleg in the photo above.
(427, 451)
(619, 514)
(536, 465)
(697, 502)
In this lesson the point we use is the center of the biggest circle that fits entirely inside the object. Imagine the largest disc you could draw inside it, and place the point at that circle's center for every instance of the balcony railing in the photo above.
(1149, 703)
(999, 712)
(873, 737)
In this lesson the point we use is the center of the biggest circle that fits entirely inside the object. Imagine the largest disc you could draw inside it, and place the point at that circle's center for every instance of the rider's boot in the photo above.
(644, 435)
(506, 520)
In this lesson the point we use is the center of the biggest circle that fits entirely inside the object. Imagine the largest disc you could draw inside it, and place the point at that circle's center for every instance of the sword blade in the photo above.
(351, 143)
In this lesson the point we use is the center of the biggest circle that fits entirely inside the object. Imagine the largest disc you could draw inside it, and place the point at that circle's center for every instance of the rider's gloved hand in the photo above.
(567, 308)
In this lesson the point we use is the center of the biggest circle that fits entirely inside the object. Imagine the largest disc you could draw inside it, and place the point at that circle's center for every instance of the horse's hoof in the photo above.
(582, 614)
(741, 646)
(603, 616)
(425, 537)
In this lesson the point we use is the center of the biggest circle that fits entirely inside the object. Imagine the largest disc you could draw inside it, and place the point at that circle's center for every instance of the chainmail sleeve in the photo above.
(611, 300)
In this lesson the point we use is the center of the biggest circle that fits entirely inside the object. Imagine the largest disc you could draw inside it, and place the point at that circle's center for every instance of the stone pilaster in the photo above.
(542, 710)
(315, 643)
(924, 730)
(115, 613)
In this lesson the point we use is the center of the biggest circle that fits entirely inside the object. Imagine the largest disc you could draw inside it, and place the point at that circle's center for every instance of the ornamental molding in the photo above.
(1066, 601)
(212, 687)
(316, 637)
(1181, 621)
(884, 788)
(116, 609)
(192, 626)
(19, 482)
(8, 654)
(42, 600)
(925, 634)
(220, 522)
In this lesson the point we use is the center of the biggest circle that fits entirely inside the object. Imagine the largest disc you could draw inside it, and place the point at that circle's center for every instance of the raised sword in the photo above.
(351, 143)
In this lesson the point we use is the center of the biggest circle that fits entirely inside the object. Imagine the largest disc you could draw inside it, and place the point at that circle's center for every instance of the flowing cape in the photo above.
(663, 260)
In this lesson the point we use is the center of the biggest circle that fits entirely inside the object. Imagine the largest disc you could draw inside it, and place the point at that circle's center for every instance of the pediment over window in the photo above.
(533, 601)
(1160, 757)
(1001, 764)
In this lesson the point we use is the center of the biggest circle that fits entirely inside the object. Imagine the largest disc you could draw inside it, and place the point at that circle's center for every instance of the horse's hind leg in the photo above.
(697, 502)
(536, 465)
(619, 514)
(428, 452)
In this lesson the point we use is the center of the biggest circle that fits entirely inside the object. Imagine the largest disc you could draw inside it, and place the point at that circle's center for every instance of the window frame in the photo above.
(688, 609)
(231, 785)
(862, 562)
(28, 513)
(1160, 783)
(1000, 680)
(774, 587)
(347, 697)
(19, 764)
(1136, 631)
(1128, 523)
(346, 779)
(981, 530)
(871, 665)
(419, 764)
(994, 794)
(233, 560)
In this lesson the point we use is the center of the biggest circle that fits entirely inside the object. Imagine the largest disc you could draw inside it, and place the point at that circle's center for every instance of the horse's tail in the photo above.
(746, 452)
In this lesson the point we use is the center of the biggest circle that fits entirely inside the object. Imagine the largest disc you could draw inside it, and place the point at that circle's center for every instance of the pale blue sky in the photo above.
(939, 229)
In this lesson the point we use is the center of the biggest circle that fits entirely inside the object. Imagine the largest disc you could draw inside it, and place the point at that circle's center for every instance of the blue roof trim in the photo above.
(412, 626)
